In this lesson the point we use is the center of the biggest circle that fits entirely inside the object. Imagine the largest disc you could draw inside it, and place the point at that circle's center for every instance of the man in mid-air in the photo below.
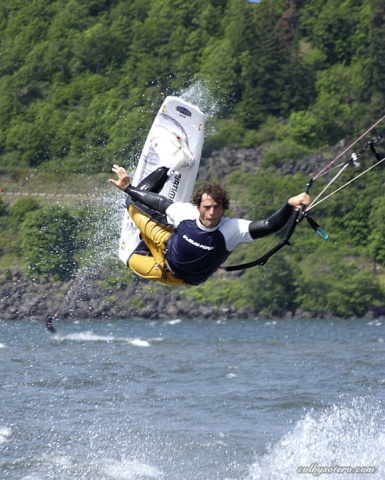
(197, 237)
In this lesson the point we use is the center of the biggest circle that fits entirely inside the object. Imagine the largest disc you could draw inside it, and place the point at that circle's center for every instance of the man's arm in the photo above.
(149, 199)
(262, 228)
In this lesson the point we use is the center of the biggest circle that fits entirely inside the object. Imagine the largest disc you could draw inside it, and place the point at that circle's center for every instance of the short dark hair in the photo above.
(216, 192)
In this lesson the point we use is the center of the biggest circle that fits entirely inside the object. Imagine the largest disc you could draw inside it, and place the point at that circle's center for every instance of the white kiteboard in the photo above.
(175, 141)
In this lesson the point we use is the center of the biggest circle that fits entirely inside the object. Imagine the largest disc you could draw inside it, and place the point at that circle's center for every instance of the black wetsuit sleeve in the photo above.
(149, 199)
(262, 228)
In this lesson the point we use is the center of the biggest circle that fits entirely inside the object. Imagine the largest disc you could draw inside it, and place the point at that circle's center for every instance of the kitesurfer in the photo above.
(49, 323)
(198, 237)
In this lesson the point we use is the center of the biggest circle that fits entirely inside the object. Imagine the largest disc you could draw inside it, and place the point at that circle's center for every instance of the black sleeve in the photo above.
(149, 199)
(262, 228)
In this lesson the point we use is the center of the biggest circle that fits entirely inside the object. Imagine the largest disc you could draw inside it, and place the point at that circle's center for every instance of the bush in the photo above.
(50, 242)
(333, 285)
(3, 207)
(22, 207)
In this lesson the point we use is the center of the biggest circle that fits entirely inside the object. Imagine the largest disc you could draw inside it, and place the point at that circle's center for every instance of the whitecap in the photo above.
(87, 337)
(174, 322)
(137, 342)
(62, 461)
(128, 469)
(5, 434)
(157, 339)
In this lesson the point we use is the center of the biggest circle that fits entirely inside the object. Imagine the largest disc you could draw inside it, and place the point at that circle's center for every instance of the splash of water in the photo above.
(110, 207)
(202, 95)
(89, 336)
(105, 210)
(343, 435)
(210, 99)
(128, 469)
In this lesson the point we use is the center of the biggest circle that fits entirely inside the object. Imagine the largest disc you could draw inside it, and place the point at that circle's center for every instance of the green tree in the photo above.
(377, 44)
(270, 290)
(3, 207)
(49, 243)
(377, 230)
(21, 207)
(336, 286)
(339, 29)
(332, 116)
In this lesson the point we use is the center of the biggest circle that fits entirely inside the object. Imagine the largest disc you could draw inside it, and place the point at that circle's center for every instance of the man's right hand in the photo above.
(123, 178)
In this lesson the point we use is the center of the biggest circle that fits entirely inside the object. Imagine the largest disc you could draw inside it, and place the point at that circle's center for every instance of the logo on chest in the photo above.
(196, 244)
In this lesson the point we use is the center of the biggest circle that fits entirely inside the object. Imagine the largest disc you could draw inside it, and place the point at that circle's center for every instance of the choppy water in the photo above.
(191, 400)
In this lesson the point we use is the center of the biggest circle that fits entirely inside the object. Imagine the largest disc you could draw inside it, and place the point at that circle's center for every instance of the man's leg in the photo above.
(153, 234)
(147, 268)
(152, 267)
(154, 182)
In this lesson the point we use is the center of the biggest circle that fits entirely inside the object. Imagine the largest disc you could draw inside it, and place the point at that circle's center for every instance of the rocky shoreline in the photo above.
(89, 298)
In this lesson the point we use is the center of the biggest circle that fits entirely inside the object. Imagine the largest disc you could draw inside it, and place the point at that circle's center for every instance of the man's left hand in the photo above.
(300, 200)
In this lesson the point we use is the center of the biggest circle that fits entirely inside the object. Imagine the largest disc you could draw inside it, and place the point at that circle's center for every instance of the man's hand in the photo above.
(123, 178)
(300, 200)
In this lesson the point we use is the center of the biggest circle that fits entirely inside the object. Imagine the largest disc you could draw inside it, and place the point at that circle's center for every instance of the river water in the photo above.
(192, 400)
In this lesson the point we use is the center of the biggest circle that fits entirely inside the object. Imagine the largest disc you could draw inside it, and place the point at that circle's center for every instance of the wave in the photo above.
(89, 336)
(128, 469)
(351, 436)
(101, 468)
(173, 322)
(5, 434)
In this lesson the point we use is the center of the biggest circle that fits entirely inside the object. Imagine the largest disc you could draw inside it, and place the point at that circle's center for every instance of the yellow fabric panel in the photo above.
(154, 235)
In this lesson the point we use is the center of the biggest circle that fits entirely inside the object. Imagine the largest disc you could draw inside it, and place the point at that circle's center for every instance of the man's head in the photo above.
(211, 200)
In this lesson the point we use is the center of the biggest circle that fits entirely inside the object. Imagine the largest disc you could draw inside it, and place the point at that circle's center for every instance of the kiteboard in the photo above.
(175, 141)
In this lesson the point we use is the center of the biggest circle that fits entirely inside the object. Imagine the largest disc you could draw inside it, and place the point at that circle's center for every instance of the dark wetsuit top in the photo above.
(194, 251)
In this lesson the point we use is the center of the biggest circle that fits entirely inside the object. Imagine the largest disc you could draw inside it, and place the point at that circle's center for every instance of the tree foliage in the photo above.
(81, 79)
(19, 210)
(335, 286)
(49, 243)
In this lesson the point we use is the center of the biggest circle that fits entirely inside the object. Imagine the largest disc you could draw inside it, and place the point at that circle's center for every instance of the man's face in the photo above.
(210, 212)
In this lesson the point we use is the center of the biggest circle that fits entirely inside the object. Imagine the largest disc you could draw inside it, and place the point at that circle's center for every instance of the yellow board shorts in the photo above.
(154, 235)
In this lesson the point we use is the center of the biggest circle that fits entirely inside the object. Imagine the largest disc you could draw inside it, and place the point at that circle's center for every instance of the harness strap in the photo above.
(169, 267)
